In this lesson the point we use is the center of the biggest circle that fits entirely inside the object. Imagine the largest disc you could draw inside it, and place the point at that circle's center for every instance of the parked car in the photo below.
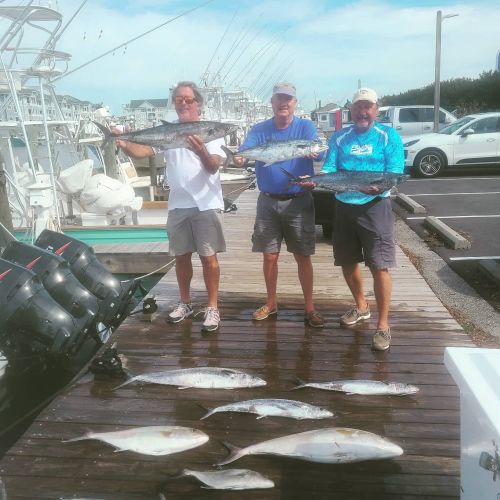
(471, 141)
(412, 120)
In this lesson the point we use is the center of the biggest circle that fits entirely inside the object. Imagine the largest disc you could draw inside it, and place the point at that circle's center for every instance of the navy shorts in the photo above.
(291, 220)
(365, 233)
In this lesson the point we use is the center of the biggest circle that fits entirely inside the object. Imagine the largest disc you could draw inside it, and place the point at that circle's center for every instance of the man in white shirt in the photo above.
(195, 206)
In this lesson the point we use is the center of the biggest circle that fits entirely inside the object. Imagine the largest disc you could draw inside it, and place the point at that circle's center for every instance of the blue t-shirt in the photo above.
(271, 179)
(378, 149)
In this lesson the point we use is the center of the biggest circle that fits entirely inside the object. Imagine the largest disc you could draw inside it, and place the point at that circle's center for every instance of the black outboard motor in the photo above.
(58, 280)
(31, 320)
(117, 299)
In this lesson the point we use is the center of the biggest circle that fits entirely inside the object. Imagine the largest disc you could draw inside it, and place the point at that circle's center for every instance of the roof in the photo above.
(327, 107)
(157, 103)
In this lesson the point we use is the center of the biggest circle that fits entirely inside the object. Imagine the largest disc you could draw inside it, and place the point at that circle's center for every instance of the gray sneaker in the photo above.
(381, 340)
(353, 315)
(211, 320)
(181, 312)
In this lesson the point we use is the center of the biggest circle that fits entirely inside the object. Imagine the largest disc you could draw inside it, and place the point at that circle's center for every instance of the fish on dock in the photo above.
(200, 378)
(274, 408)
(276, 151)
(362, 387)
(151, 440)
(230, 479)
(333, 445)
(350, 180)
(171, 135)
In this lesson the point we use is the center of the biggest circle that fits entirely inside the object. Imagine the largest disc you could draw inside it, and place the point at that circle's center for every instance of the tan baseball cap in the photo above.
(365, 94)
(285, 88)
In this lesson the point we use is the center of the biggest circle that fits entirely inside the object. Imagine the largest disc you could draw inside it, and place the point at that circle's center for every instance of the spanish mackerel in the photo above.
(172, 135)
(333, 445)
(364, 387)
(230, 479)
(276, 151)
(274, 408)
(200, 378)
(350, 180)
(152, 440)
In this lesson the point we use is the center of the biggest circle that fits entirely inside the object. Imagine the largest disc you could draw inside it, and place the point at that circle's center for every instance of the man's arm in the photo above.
(394, 153)
(135, 150)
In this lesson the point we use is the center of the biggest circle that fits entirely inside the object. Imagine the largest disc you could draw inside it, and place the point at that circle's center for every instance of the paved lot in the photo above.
(470, 205)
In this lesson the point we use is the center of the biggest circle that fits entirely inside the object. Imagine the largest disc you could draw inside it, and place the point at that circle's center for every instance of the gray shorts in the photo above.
(190, 230)
(292, 220)
(365, 233)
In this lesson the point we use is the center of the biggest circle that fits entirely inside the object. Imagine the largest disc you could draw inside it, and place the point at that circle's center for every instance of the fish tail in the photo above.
(128, 381)
(234, 453)
(79, 438)
(293, 179)
(302, 383)
(209, 412)
(229, 153)
(107, 133)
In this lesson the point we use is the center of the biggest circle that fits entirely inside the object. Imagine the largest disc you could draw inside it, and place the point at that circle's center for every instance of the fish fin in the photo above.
(267, 164)
(234, 454)
(260, 416)
(107, 133)
(119, 450)
(165, 122)
(209, 412)
(181, 388)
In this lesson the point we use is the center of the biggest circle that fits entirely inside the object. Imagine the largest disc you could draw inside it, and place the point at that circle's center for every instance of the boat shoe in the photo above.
(353, 315)
(264, 312)
(181, 312)
(381, 340)
(314, 319)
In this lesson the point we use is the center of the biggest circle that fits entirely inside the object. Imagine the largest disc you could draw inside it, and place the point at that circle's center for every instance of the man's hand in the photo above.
(239, 161)
(304, 183)
(371, 190)
(312, 156)
(197, 145)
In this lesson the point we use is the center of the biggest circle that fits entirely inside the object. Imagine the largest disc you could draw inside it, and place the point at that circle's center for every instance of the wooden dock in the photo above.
(426, 425)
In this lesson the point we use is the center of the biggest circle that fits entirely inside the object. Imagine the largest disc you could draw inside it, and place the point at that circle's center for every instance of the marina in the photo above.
(280, 351)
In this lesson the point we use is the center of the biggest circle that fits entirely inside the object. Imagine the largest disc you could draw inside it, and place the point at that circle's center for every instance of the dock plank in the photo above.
(425, 425)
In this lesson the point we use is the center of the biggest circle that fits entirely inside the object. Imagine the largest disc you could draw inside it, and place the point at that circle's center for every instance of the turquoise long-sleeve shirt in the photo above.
(378, 149)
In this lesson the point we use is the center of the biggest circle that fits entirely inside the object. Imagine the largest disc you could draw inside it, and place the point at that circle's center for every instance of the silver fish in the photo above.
(231, 479)
(274, 408)
(332, 445)
(200, 378)
(276, 151)
(350, 180)
(152, 440)
(365, 387)
(172, 135)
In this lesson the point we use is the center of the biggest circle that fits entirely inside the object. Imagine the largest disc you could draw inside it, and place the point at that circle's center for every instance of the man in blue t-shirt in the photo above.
(364, 222)
(284, 211)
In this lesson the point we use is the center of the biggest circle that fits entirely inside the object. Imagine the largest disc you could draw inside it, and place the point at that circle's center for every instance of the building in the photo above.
(330, 117)
(144, 113)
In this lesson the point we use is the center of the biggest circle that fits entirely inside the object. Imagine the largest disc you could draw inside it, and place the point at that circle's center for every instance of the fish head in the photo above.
(409, 389)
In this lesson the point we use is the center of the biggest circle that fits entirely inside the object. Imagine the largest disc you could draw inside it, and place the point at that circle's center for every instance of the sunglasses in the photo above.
(180, 99)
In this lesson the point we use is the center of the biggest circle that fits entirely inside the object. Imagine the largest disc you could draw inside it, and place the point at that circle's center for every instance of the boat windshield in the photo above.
(453, 127)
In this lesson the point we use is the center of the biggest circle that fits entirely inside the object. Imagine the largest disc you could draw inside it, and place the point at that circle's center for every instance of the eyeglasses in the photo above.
(179, 99)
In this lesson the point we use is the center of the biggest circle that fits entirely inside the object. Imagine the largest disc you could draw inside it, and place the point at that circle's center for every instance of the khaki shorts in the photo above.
(292, 220)
(365, 233)
(190, 230)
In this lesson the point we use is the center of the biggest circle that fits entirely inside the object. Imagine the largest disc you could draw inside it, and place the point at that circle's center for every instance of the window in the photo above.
(486, 125)
(408, 115)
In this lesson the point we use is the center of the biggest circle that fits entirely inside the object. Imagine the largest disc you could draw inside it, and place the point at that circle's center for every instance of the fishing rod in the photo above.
(128, 42)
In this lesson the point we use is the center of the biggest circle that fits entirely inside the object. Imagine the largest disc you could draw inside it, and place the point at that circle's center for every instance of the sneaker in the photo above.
(211, 320)
(353, 315)
(263, 313)
(314, 319)
(181, 312)
(381, 340)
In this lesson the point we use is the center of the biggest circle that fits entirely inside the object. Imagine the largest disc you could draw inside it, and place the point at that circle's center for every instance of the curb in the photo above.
(450, 236)
(409, 204)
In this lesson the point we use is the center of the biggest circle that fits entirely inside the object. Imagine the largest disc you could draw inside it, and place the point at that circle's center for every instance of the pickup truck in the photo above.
(413, 120)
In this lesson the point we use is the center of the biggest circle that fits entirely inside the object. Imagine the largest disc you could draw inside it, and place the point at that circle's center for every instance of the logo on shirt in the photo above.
(361, 150)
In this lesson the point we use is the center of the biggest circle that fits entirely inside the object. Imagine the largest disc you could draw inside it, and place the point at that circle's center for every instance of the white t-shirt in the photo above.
(191, 185)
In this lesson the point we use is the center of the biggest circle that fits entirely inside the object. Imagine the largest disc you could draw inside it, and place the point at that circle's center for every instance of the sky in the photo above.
(326, 47)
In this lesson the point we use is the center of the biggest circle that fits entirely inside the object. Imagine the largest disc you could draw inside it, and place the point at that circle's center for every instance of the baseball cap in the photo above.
(365, 94)
(285, 88)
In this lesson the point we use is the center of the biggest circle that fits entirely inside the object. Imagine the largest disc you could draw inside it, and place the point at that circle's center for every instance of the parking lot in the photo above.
(470, 205)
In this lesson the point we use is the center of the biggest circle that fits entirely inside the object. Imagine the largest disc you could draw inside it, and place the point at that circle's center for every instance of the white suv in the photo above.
(411, 120)
(471, 141)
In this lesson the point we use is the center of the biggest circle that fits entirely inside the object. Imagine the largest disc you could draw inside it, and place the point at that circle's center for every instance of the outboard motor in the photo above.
(58, 280)
(117, 299)
(31, 320)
